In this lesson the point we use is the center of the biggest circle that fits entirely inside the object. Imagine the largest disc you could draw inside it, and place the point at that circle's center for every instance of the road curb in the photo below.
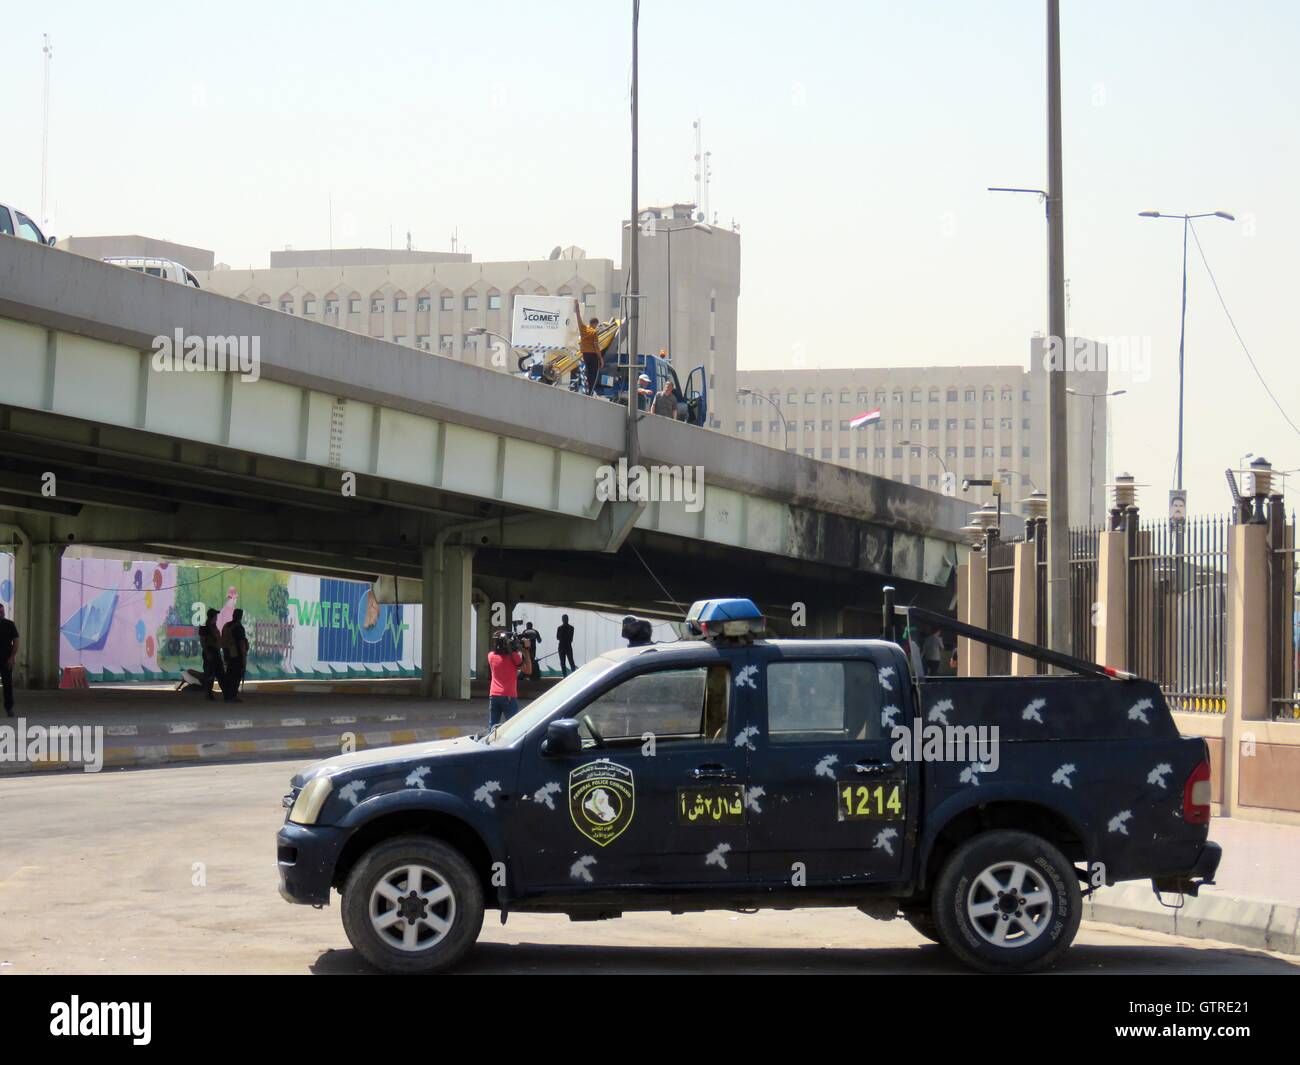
(236, 750)
(1246, 922)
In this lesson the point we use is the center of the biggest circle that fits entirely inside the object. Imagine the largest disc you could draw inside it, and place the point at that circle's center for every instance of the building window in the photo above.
(862, 398)
(915, 480)
(916, 395)
(880, 452)
(740, 426)
(756, 427)
(932, 480)
(376, 306)
(862, 453)
(1006, 395)
(447, 303)
(773, 427)
(444, 342)
(914, 452)
(423, 303)
(970, 395)
(1024, 452)
(934, 395)
(286, 306)
(898, 397)
(844, 452)
(988, 423)
(950, 452)
(354, 305)
(399, 303)
(810, 397)
(471, 301)
(915, 425)
(792, 398)
(826, 452)
(988, 395)
(422, 342)
(845, 395)
(896, 452)
(331, 306)
(494, 301)
(1025, 395)
(808, 451)
(987, 452)
(308, 305)
(1006, 451)
(399, 340)
(809, 427)
(1006, 423)
(827, 398)
(952, 395)
(952, 425)
(969, 452)
(844, 423)
(934, 424)
(1024, 423)
(826, 426)
(897, 425)
(467, 343)
(970, 423)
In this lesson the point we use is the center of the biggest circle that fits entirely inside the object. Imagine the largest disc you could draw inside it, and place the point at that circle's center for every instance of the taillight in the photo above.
(1196, 796)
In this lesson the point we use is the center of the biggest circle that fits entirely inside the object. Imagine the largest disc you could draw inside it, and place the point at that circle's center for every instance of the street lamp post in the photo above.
(1187, 220)
(933, 451)
(480, 331)
(775, 406)
(1092, 429)
(1024, 479)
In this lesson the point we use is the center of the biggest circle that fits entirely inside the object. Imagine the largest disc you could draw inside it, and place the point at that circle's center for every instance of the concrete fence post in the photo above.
(1110, 612)
(1247, 648)
(973, 656)
(1024, 605)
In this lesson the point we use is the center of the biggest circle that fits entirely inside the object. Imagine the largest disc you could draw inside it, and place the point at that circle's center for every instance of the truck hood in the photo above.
(390, 759)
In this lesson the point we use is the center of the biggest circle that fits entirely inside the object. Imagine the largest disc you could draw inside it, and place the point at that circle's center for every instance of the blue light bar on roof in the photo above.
(725, 617)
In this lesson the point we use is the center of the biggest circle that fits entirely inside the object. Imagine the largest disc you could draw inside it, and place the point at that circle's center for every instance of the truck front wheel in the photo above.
(1007, 901)
(412, 905)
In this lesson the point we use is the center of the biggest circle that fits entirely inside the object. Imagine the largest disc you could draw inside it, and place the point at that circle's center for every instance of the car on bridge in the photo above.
(13, 223)
(738, 772)
(167, 269)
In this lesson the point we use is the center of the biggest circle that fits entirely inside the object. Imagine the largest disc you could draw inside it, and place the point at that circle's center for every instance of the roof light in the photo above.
(725, 619)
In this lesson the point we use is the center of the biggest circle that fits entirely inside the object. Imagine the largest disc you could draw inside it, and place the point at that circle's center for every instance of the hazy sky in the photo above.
(852, 143)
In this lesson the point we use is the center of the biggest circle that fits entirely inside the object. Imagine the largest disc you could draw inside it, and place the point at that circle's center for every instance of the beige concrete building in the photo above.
(970, 421)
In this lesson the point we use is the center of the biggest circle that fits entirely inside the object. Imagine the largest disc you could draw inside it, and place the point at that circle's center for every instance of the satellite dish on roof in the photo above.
(555, 253)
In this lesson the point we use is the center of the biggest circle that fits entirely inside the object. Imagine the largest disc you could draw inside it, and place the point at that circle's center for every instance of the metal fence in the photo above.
(1177, 609)
(1084, 544)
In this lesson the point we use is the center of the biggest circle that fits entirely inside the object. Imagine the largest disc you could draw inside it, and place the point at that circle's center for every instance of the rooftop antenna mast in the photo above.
(703, 171)
(48, 49)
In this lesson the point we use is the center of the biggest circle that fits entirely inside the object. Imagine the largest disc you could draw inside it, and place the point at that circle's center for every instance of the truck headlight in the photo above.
(307, 806)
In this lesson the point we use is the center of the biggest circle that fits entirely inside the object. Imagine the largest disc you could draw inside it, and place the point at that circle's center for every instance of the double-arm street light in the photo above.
(1092, 450)
(1187, 220)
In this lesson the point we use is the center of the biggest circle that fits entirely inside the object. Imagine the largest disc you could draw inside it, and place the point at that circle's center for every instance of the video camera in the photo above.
(506, 641)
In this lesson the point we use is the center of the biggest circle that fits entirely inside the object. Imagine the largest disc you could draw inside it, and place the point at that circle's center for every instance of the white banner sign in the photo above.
(544, 323)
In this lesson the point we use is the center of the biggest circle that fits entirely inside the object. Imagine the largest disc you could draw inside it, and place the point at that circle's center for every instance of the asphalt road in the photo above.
(172, 870)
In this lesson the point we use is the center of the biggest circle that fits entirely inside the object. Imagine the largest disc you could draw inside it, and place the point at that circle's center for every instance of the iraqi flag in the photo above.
(866, 418)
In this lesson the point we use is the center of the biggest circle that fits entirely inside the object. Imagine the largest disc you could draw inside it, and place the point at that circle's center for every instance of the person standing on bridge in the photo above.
(665, 401)
(589, 345)
(564, 638)
(213, 669)
(8, 655)
(234, 646)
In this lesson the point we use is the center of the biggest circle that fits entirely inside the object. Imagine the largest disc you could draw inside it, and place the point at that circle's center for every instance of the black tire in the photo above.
(923, 923)
(1037, 932)
(438, 861)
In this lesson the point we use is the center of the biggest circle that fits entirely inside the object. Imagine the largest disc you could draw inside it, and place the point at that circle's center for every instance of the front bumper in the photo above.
(1201, 873)
(306, 856)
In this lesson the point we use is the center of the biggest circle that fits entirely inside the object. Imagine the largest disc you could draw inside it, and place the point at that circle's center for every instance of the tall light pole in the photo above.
(634, 271)
(928, 447)
(1182, 327)
(775, 406)
(1092, 450)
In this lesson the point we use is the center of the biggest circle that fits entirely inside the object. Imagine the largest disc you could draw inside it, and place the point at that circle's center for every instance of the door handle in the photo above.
(712, 771)
(873, 769)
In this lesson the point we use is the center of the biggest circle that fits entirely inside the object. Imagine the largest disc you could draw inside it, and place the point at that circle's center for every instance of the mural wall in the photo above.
(137, 619)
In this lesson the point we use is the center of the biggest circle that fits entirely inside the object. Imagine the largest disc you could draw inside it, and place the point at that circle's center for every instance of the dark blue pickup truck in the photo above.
(737, 772)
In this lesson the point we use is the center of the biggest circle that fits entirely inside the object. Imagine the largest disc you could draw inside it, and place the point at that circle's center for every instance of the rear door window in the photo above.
(823, 701)
(6, 222)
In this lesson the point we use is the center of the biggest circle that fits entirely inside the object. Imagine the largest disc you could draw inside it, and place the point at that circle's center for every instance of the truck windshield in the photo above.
(541, 707)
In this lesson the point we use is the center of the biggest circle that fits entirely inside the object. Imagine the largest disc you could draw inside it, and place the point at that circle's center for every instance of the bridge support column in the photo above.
(445, 629)
(36, 602)
(482, 636)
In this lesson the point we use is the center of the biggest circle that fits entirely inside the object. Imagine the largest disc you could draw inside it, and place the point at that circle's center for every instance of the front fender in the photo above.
(484, 821)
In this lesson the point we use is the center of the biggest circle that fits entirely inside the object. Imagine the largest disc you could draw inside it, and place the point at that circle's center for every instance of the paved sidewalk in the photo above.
(1255, 901)
(163, 727)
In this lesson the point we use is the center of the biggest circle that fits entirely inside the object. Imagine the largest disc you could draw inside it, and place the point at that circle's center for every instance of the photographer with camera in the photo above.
(504, 661)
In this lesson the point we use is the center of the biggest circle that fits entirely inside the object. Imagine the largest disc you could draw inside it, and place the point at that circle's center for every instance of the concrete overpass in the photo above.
(443, 482)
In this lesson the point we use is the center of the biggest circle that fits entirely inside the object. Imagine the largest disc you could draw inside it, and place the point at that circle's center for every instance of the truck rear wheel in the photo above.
(412, 905)
(1007, 901)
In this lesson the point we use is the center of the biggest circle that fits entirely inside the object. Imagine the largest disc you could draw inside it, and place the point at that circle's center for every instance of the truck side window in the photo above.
(6, 222)
(823, 701)
(674, 705)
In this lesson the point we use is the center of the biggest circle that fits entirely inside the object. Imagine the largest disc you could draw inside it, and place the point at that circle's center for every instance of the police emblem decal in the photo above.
(602, 800)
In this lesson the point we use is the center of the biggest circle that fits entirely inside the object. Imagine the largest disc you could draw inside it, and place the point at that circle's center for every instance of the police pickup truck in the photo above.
(737, 772)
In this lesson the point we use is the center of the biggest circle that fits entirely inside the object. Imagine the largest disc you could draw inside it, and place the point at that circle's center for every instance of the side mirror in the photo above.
(51, 241)
(562, 737)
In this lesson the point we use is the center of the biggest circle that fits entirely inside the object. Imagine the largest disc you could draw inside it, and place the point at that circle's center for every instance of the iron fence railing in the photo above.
(1177, 577)
(1284, 616)
(1084, 543)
